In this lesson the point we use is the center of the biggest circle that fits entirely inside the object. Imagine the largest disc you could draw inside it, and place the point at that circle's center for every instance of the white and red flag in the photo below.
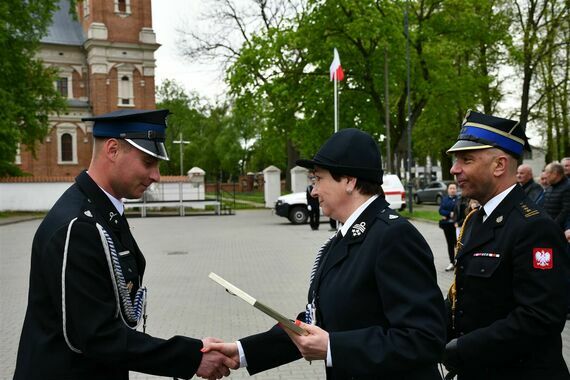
(336, 68)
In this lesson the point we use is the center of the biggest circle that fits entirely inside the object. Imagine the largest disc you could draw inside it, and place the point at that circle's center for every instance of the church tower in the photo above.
(119, 48)
(105, 60)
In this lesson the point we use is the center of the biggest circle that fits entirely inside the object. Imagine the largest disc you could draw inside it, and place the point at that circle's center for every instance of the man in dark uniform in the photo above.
(86, 297)
(374, 308)
(507, 305)
(314, 210)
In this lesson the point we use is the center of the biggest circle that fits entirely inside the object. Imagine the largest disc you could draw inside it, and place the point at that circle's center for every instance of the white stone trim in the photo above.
(71, 129)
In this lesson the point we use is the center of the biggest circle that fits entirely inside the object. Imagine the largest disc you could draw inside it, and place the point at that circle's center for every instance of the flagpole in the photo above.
(335, 104)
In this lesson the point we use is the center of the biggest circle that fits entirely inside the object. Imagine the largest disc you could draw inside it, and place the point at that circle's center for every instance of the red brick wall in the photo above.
(120, 28)
(46, 162)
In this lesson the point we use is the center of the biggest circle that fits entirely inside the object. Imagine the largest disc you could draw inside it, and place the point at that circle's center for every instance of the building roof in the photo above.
(76, 103)
(64, 30)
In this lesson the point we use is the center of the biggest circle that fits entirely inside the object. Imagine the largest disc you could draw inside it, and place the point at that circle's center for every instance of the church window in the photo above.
(62, 86)
(126, 97)
(123, 7)
(66, 148)
(67, 144)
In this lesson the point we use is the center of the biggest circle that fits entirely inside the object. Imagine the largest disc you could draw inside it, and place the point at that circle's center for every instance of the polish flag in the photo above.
(336, 68)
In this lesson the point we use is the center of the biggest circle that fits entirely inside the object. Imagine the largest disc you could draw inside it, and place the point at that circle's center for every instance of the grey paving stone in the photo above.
(257, 250)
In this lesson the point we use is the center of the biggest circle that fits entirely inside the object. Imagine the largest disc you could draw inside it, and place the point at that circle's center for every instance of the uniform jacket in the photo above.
(557, 201)
(377, 296)
(511, 294)
(103, 346)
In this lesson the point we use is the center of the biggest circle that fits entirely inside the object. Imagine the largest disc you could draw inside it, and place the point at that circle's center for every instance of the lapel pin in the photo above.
(358, 229)
(392, 216)
(499, 219)
(88, 213)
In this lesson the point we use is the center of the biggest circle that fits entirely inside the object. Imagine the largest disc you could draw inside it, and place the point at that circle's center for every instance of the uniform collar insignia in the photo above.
(499, 219)
(88, 213)
(392, 216)
(358, 229)
(113, 217)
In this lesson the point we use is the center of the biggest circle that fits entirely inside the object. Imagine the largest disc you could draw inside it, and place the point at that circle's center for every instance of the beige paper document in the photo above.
(232, 289)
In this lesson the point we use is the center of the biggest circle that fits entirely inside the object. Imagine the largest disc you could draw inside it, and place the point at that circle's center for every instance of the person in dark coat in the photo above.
(507, 304)
(86, 297)
(525, 178)
(557, 196)
(447, 222)
(314, 209)
(374, 308)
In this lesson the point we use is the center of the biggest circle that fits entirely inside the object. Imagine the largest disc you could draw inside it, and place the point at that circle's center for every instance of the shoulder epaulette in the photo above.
(527, 210)
(388, 216)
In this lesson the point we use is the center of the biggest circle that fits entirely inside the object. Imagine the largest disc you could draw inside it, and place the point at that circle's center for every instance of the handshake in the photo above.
(219, 357)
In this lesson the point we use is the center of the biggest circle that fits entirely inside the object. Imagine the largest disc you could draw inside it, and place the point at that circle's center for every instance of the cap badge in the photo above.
(358, 229)
(392, 216)
(542, 258)
(88, 213)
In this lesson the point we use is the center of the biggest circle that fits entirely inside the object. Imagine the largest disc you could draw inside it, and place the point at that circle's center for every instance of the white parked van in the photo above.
(294, 206)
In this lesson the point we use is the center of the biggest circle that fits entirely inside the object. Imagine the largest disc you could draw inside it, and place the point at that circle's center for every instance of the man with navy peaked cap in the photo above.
(374, 309)
(86, 298)
(507, 304)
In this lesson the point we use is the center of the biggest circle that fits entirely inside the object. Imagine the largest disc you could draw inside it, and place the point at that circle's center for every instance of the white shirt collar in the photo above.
(116, 202)
(492, 204)
(352, 218)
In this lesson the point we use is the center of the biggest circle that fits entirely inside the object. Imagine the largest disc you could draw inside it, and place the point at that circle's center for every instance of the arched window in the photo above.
(66, 148)
(125, 88)
(123, 7)
(66, 144)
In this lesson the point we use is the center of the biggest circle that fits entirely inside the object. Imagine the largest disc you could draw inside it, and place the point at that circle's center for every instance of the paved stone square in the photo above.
(258, 251)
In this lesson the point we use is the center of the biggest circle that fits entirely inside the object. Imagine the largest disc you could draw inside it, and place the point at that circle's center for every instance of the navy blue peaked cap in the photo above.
(350, 152)
(480, 131)
(144, 129)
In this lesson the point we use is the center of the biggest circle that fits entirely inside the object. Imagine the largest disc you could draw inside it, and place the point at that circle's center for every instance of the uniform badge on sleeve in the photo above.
(542, 258)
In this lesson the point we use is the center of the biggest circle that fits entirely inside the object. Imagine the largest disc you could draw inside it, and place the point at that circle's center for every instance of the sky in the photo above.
(167, 17)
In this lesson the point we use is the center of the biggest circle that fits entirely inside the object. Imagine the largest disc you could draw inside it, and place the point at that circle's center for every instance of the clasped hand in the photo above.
(312, 346)
(216, 363)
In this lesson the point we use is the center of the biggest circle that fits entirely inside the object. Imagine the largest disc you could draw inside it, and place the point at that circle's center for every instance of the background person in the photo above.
(314, 209)
(524, 178)
(508, 302)
(557, 196)
(86, 296)
(447, 222)
(373, 298)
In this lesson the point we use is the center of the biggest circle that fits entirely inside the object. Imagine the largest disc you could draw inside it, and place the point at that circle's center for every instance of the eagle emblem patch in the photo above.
(542, 258)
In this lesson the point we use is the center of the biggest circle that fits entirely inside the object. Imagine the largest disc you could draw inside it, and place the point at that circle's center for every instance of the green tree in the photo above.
(27, 94)
(537, 24)
(213, 144)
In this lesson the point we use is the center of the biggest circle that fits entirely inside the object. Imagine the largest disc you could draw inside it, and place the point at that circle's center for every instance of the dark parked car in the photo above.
(433, 192)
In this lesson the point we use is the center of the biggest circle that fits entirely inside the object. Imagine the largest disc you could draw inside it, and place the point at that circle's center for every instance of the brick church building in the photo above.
(105, 58)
